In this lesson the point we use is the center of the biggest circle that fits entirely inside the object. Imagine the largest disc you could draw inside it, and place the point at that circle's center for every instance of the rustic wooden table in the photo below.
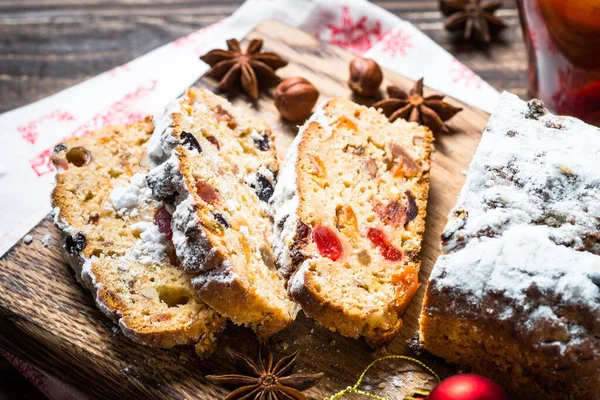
(49, 45)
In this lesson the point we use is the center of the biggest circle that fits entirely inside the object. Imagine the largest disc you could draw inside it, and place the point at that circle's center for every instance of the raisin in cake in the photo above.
(516, 294)
(216, 167)
(116, 239)
(350, 209)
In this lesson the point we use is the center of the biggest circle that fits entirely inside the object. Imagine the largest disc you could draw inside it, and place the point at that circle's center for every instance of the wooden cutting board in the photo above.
(46, 318)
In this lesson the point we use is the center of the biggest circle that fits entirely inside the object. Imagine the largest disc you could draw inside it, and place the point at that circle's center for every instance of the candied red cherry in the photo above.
(327, 242)
(388, 251)
(162, 219)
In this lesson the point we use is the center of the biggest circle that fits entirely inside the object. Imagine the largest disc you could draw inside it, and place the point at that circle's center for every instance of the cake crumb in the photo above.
(397, 382)
(381, 385)
(332, 343)
(46, 239)
(285, 346)
(27, 239)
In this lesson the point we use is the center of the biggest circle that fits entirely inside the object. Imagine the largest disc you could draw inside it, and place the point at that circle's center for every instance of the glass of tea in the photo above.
(563, 48)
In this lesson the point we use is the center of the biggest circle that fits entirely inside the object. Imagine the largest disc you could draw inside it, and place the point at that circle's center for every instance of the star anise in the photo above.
(265, 379)
(248, 66)
(475, 18)
(430, 111)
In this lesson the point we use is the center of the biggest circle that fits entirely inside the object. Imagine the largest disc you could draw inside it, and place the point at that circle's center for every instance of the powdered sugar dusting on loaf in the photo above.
(523, 240)
(127, 199)
(532, 171)
(162, 141)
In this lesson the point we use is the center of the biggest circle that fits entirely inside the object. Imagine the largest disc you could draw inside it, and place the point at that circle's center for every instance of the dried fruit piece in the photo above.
(59, 163)
(93, 218)
(221, 219)
(263, 187)
(262, 142)
(224, 116)
(388, 251)
(327, 242)
(411, 209)
(189, 140)
(403, 164)
(345, 220)
(75, 245)
(393, 213)
(301, 239)
(316, 166)
(407, 283)
(162, 219)
(207, 192)
(79, 156)
(214, 141)
(371, 167)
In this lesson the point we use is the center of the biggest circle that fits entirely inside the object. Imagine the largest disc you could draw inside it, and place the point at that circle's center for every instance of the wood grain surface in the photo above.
(49, 45)
(48, 319)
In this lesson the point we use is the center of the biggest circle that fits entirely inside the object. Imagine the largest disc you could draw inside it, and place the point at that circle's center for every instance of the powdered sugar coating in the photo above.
(527, 280)
(531, 171)
(522, 243)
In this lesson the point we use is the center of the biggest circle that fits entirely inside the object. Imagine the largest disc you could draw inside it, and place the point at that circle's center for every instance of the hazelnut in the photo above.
(295, 98)
(365, 76)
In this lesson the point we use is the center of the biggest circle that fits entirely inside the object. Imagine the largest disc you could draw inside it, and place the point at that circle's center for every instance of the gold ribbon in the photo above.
(355, 390)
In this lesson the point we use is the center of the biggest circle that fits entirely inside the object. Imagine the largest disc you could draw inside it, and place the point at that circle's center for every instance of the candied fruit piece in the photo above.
(388, 251)
(402, 163)
(224, 116)
(206, 192)
(327, 242)
(75, 245)
(189, 140)
(345, 220)
(407, 283)
(162, 219)
(371, 167)
(213, 140)
(393, 213)
(79, 156)
(316, 166)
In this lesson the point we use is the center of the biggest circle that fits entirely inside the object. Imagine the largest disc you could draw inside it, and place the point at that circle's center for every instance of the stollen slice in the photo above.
(215, 167)
(117, 239)
(350, 209)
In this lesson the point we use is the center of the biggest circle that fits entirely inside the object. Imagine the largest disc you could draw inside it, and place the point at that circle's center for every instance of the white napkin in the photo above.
(144, 85)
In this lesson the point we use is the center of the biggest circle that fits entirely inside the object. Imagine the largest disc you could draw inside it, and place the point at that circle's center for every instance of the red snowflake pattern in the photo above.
(461, 74)
(396, 43)
(32, 374)
(353, 35)
(29, 131)
(121, 112)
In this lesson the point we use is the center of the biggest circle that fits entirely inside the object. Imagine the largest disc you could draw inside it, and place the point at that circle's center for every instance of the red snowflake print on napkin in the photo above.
(462, 75)
(29, 131)
(32, 374)
(357, 36)
(396, 43)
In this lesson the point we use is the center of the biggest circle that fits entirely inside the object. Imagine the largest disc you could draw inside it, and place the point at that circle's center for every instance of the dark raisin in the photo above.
(162, 219)
(411, 208)
(221, 219)
(511, 133)
(536, 109)
(60, 147)
(93, 218)
(187, 139)
(214, 141)
(263, 142)
(75, 245)
(262, 187)
(302, 235)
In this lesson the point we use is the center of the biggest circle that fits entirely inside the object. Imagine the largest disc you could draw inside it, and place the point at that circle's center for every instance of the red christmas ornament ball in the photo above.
(467, 387)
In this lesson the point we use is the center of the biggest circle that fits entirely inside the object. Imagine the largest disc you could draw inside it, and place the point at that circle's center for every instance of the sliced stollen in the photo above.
(117, 241)
(215, 168)
(350, 209)
(516, 294)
